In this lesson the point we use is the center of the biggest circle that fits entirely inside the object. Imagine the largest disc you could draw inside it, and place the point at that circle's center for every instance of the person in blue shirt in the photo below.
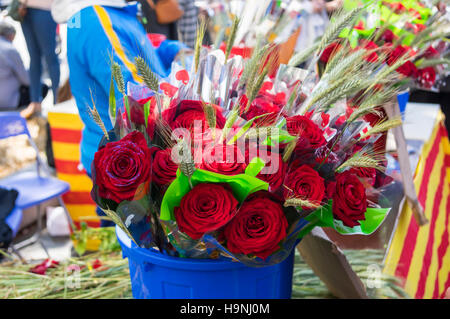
(100, 32)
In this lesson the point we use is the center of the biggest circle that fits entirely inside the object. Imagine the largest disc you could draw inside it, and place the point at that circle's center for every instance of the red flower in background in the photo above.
(265, 104)
(370, 46)
(388, 36)
(431, 52)
(311, 136)
(329, 51)
(164, 170)
(426, 77)
(206, 208)
(408, 68)
(304, 183)
(349, 199)
(187, 112)
(258, 228)
(41, 269)
(397, 7)
(122, 168)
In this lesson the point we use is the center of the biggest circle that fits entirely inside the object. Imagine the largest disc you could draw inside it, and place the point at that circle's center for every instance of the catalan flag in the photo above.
(66, 136)
(420, 256)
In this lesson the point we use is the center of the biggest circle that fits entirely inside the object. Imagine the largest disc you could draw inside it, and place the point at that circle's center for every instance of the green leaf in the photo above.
(112, 102)
(242, 185)
(254, 167)
(146, 112)
(323, 217)
(127, 107)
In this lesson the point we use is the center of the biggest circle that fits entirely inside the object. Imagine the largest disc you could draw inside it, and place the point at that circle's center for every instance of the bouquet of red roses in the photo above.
(223, 160)
(406, 35)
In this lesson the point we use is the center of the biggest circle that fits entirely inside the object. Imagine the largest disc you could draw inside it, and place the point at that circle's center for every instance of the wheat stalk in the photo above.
(289, 150)
(303, 55)
(298, 202)
(95, 116)
(186, 163)
(361, 160)
(434, 62)
(231, 39)
(382, 126)
(118, 77)
(199, 42)
(337, 25)
(148, 76)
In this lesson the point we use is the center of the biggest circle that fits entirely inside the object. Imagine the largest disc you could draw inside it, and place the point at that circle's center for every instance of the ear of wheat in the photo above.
(148, 76)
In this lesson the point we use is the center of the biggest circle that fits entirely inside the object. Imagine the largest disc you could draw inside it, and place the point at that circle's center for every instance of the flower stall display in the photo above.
(217, 171)
(412, 30)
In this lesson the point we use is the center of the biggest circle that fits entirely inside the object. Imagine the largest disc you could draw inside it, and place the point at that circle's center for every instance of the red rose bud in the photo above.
(206, 208)
(431, 53)
(305, 183)
(349, 199)
(223, 159)
(329, 51)
(388, 36)
(359, 26)
(408, 69)
(187, 112)
(426, 77)
(164, 170)
(122, 168)
(397, 7)
(258, 228)
(370, 46)
(307, 130)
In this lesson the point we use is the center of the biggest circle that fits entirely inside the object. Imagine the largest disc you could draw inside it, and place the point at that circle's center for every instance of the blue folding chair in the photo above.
(34, 187)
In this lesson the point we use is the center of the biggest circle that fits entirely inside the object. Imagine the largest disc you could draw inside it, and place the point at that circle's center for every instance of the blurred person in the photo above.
(39, 30)
(100, 32)
(187, 25)
(184, 29)
(14, 79)
(150, 23)
(13, 75)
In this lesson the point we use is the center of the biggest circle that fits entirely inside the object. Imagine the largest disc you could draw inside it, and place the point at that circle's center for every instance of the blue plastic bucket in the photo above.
(157, 276)
(402, 99)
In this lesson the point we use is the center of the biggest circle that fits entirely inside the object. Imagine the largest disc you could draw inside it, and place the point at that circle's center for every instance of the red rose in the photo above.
(305, 183)
(349, 199)
(258, 228)
(275, 174)
(223, 159)
(329, 51)
(426, 77)
(122, 168)
(397, 7)
(187, 111)
(206, 208)
(370, 46)
(267, 104)
(431, 53)
(388, 36)
(164, 170)
(311, 136)
(408, 68)
(272, 173)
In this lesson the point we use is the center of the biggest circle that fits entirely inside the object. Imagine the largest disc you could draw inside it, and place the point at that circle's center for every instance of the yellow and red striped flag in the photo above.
(420, 256)
(66, 136)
